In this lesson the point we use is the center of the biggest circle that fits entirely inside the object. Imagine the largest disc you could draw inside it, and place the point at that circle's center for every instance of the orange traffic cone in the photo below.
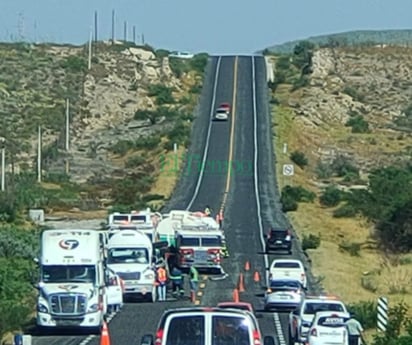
(256, 277)
(241, 283)
(247, 266)
(235, 295)
(105, 337)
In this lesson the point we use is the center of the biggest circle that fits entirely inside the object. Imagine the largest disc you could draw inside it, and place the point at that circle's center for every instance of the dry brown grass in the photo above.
(353, 278)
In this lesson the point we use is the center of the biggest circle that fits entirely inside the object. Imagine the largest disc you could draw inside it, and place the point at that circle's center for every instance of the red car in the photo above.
(237, 305)
(225, 106)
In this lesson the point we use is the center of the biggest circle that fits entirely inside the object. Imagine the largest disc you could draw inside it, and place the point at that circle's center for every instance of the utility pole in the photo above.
(67, 125)
(39, 156)
(3, 163)
(134, 34)
(125, 31)
(90, 50)
(112, 26)
(95, 26)
(142, 38)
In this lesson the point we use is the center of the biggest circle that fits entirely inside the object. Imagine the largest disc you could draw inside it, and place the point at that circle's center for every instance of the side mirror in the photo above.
(268, 340)
(147, 339)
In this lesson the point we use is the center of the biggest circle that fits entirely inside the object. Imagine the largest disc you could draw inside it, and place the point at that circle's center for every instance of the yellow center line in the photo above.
(232, 136)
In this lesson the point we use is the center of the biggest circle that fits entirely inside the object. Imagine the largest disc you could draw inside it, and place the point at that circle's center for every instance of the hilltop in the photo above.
(351, 38)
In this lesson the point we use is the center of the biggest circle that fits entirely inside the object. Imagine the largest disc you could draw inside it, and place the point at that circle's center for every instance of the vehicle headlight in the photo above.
(41, 308)
(149, 275)
(93, 308)
(305, 324)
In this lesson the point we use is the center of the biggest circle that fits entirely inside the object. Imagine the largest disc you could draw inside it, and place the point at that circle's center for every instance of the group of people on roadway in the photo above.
(177, 279)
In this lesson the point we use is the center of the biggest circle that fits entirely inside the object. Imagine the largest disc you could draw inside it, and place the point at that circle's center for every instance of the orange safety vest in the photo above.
(161, 275)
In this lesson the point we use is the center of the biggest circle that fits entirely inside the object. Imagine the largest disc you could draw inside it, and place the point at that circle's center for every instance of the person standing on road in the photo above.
(354, 329)
(193, 279)
(177, 282)
(161, 280)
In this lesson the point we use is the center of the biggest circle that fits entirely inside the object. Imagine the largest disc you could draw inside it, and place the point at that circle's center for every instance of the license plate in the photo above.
(284, 297)
(200, 256)
(278, 242)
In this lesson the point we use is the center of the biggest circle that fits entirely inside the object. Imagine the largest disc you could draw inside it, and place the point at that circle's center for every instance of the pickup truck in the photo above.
(288, 268)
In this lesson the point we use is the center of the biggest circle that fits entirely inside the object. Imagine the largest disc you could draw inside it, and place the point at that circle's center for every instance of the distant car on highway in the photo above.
(225, 106)
(284, 294)
(221, 114)
(328, 328)
(279, 239)
(181, 55)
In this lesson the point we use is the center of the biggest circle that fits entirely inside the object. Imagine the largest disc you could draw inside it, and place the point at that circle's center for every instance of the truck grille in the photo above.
(129, 275)
(68, 304)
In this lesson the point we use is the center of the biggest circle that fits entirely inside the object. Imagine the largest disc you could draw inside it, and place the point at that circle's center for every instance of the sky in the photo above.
(212, 26)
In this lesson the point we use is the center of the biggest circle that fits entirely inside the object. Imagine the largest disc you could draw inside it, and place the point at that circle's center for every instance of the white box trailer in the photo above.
(130, 255)
(72, 288)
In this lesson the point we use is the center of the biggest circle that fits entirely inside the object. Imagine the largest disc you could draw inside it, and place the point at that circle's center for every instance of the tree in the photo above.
(302, 56)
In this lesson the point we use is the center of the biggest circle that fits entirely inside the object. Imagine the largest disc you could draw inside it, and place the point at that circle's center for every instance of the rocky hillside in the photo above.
(367, 87)
(125, 112)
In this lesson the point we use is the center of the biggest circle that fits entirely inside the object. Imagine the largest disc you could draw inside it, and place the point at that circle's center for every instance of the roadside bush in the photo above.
(299, 159)
(74, 63)
(310, 242)
(352, 92)
(345, 211)
(290, 197)
(350, 247)
(135, 162)
(162, 93)
(358, 124)
(343, 166)
(147, 142)
(330, 197)
(198, 62)
(365, 313)
(323, 170)
(122, 146)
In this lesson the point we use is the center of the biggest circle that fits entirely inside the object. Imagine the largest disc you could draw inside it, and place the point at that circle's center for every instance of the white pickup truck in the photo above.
(288, 268)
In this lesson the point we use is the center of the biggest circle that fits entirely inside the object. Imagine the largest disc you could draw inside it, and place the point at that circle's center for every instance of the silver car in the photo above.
(284, 294)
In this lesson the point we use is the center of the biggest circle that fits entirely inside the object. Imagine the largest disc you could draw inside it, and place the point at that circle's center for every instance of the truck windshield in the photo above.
(72, 273)
(128, 255)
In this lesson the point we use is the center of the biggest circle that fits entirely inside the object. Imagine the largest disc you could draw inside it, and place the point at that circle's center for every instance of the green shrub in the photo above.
(310, 242)
(323, 170)
(345, 211)
(369, 284)
(350, 247)
(365, 313)
(331, 196)
(299, 159)
(343, 165)
(74, 63)
(162, 93)
(147, 142)
(198, 62)
(122, 147)
(352, 92)
(358, 124)
(135, 162)
(288, 203)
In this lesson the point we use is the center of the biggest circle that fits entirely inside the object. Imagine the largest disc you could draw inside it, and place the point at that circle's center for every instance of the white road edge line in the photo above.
(278, 325)
(209, 130)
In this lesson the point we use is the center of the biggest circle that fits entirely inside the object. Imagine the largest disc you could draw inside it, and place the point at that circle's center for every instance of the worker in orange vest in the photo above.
(161, 280)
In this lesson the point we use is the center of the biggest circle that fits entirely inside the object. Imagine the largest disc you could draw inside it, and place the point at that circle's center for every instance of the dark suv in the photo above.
(279, 239)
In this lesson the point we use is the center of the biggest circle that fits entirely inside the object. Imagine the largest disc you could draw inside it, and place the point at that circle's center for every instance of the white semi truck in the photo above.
(130, 255)
(72, 289)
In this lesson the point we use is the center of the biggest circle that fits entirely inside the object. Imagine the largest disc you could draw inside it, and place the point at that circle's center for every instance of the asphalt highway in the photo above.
(248, 196)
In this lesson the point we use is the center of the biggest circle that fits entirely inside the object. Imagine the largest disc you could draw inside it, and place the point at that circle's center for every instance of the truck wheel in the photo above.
(153, 295)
